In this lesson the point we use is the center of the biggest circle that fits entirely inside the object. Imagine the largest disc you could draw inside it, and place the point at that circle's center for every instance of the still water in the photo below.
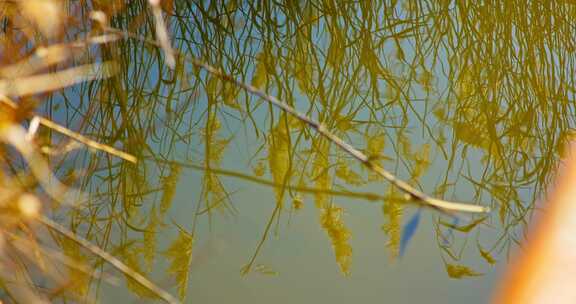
(234, 200)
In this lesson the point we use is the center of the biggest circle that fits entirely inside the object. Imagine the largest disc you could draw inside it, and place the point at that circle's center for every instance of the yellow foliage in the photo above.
(131, 260)
(149, 251)
(469, 134)
(279, 155)
(392, 210)
(79, 279)
(336, 49)
(344, 172)
(320, 172)
(264, 68)
(460, 271)
(169, 186)
(297, 203)
(486, 255)
(259, 169)
(179, 255)
(375, 145)
(425, 79)
(331, 220)
(218, 89)
(421, 162)
(214, 193)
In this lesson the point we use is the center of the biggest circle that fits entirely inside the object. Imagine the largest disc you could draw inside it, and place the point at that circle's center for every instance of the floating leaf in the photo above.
(408, 231)
(180, 256)
(460, 271)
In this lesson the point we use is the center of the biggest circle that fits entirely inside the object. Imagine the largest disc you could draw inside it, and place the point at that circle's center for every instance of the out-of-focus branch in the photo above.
(109, 259)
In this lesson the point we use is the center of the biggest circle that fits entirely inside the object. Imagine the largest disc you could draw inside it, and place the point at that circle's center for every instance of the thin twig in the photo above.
(36, 120)
(412, 192)
(369, 196)
(109, 258)
(84, 140)
(36, 84)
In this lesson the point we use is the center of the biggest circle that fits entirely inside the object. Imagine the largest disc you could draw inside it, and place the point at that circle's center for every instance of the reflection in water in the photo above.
(468, 102)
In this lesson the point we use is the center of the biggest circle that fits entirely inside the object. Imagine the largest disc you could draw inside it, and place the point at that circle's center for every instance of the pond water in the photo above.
(234, 200)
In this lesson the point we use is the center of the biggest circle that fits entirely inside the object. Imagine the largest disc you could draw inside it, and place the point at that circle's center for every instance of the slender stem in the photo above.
(362, 195)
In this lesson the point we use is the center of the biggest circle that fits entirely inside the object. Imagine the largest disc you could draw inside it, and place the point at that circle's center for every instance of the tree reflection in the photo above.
(452, 97)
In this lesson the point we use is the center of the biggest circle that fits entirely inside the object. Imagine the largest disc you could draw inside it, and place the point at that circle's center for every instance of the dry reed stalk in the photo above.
(110, 259)
(37, 120)
(23, 86)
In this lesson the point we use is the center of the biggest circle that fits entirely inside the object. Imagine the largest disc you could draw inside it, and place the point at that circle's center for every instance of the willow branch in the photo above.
(413, 193)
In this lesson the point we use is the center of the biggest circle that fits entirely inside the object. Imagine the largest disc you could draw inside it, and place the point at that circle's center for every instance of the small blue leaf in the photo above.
(408, 231)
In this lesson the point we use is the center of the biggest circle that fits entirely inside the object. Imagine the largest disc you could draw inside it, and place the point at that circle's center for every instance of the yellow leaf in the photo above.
(331, 219)
(392, 209)
(336, 49)
(169, 185)
(297, 203)
(179, 255)
(149, 250)
(375, 145)
(259, 169)
(346, 174)
(422, 162)
(79, 279)
(466, 228)
(264, 67)
(279, 155)
(425, 79)
(131, 260)
(460, 271)
(320, 172)
(486, 255)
